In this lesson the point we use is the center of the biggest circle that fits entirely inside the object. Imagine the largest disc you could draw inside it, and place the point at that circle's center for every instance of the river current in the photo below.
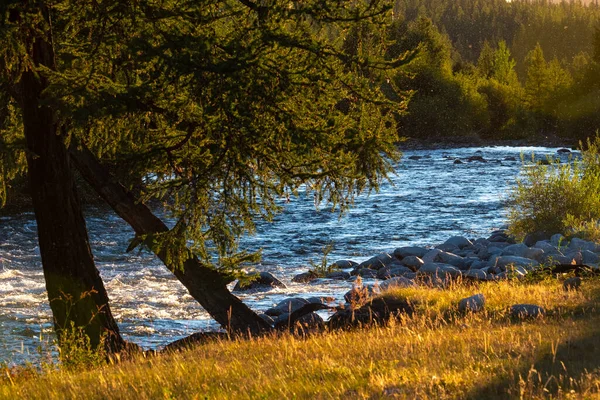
(429, 199)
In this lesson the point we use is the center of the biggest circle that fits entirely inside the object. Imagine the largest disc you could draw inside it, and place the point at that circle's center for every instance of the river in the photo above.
(429, 198)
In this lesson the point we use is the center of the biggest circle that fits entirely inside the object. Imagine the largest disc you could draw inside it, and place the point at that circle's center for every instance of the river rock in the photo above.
(305, 277)
(447, 247)
(477, 274)
(501, 236)
(344, 264)
(457, 161)
(546, 246)
(477, 158)
(438, 269)
(525, 311)
(415, 157)
(515, 250)
(320, 300)
(402, 252)
(474, 303)
(397, 282)
(447, 258)
(572, 283)
(563, 150)
(359, 294)
(267, 319)
(367, 273)
(504, 261)
(288, 305)
(377, 262)
(338, 275)
(393, 271)
(459, 241)
(412, 262)
(265, 281)
(534, 254)
(580, 244)
(589, 257)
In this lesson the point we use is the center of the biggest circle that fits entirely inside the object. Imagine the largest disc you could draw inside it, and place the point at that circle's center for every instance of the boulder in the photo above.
(367, 273)
(525, 311)
(534, 254)
(264, 281)
(477, 274)
(305, 277)
(457, 161)
(267, 319)
(412, 262)
(397, 282)
(344, 264)
(438, 269)
(431, 255)
(392, 271)
(580, 244)
(563, 150)
(474, 303)
(437, 255)
(360, 294)
(589, 257)
(338, 275)
(548, 247)
(505, 261)
(377, 262)
(402, 252)
(320, 300)
(415, 157)
(288, 305)
(459, 241)
(476, 158)
(515, 250)
(447, 247)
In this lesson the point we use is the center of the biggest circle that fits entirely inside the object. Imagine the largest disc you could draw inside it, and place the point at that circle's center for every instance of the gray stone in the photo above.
(438, 269)
(532, 238)
(515, 250)
(481, 242)
(590, 258)
(264, 281)
(478, 264)
(474, 303)
(572, 283)
(397, 282)
(367, 273)
(580, 244)
(459, 241)
(377, 262)
(477, 274)
(305, 277)
(338, 275)
(402, 252)
(504, 261)
(320, 299)
(267, 319)
(534, 254)
(344, 264)
(392, 271)
(437, 255)
(515, 271)
(546, 246)
(447, 247)
(524, 311)
(360, 293)
(288, 305)
(575, 256)
(431, 255)
(412, 262)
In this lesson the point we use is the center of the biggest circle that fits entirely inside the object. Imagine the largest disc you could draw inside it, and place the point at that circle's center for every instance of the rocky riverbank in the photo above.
(497, 257)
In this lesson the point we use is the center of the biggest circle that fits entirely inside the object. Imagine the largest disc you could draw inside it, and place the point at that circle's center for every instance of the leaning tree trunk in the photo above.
(204, 284)
(76, 293)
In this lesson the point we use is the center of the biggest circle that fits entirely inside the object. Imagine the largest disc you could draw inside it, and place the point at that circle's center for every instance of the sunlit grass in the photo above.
(438, 353)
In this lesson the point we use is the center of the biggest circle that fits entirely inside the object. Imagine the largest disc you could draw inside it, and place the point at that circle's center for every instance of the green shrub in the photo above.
(559, 198)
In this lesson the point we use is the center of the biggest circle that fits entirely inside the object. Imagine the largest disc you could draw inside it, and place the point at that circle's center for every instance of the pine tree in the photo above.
(215, 108)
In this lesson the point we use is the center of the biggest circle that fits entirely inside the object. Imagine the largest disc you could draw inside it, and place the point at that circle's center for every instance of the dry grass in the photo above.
(436, 354)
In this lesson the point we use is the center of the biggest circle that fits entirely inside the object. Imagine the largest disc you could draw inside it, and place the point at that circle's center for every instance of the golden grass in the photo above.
(436, 354)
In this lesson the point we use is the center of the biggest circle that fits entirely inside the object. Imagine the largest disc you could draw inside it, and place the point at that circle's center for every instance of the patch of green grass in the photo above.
(437, 353)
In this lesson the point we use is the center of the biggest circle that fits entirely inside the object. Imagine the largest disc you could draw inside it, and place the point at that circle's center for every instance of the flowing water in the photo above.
(428, 200)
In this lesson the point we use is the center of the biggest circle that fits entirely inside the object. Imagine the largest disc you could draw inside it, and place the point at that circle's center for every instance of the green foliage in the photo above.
(75, 350)
(322, 268)
(559, 198)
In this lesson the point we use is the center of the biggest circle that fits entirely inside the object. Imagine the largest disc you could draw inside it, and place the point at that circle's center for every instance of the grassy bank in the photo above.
(437, 353)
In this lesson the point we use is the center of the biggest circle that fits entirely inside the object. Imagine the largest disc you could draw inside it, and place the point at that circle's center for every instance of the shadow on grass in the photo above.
(572, 365)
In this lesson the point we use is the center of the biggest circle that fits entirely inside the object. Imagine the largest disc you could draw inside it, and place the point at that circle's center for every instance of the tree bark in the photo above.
(76, 292)
(204, 284)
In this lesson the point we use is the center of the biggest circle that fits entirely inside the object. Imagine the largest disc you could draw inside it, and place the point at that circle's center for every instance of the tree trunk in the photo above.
(204, 284)
(76, 292)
